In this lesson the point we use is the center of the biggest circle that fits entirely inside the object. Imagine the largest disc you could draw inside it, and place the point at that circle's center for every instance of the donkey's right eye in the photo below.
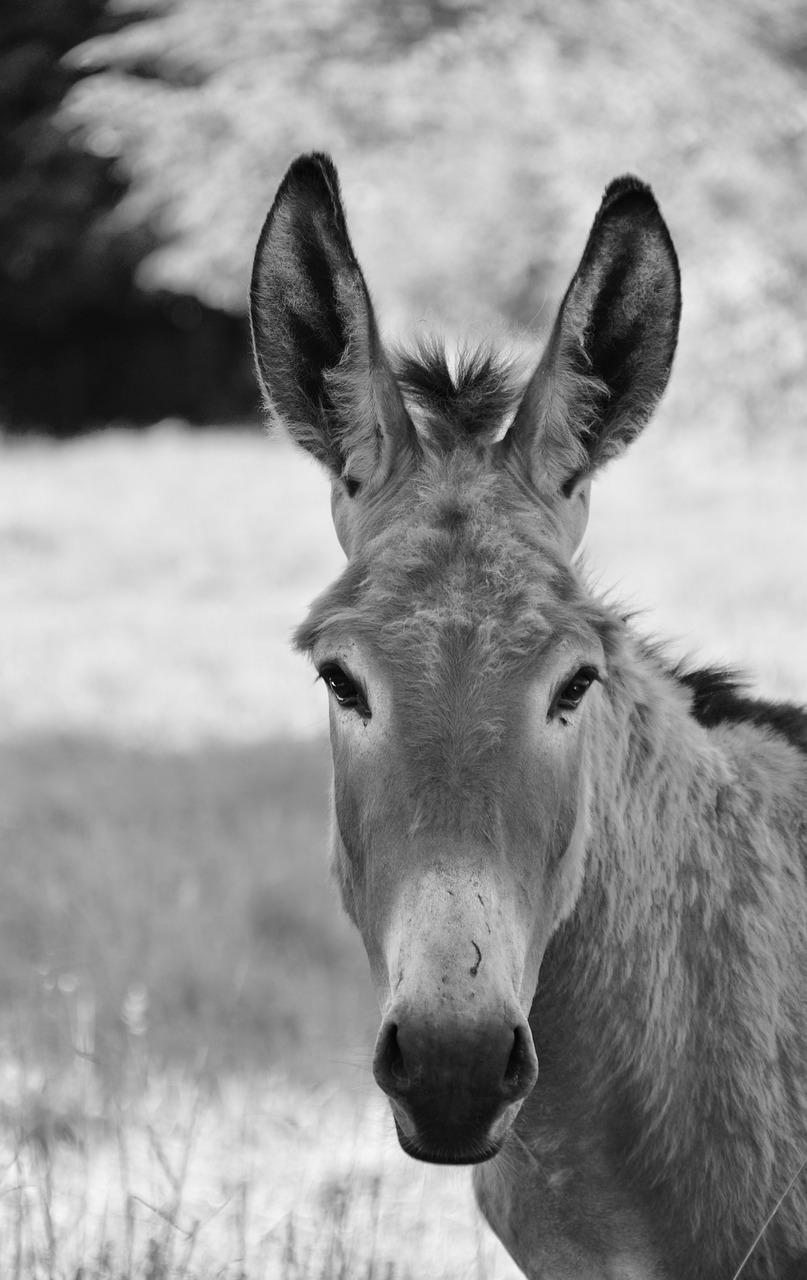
(345, 690)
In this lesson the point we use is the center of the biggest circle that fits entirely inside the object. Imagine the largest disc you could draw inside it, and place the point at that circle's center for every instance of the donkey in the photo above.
(579, 872)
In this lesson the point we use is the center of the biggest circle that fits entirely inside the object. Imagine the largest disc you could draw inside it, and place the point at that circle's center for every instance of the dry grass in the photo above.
(163, 1177)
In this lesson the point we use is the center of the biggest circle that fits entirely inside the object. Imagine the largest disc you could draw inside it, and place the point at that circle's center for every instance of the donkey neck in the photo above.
(688, 828)
(657, 871)
(658, 861)
(688, 855)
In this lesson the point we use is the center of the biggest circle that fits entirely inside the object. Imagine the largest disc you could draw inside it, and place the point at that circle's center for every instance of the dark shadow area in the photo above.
(81, 345)
(184, 899)
(137, 362)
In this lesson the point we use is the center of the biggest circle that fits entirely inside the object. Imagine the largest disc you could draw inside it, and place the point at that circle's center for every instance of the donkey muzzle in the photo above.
(455, 1088)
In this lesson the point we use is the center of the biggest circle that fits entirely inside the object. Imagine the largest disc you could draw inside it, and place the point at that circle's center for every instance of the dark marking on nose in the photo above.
(474, 970)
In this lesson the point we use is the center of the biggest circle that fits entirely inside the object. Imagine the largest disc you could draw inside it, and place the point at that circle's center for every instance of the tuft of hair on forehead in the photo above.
(469, 399)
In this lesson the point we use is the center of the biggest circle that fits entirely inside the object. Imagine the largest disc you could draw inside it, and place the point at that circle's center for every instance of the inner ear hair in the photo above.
(611, 348)
(320, 360)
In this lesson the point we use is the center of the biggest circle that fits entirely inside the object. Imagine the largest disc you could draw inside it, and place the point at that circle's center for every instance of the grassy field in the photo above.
(185, 1015)
(256, 1177)
(197, 879)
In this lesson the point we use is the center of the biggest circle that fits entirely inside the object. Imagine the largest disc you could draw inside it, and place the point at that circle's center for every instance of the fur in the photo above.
(472, 403)
(672, 1000)
(487, 589)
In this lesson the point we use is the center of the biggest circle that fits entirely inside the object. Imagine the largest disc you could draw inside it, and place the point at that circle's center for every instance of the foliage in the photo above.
(473, 141)
(55, 196)
(78, 340)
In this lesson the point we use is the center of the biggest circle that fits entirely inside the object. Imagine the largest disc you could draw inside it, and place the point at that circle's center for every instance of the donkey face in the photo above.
(464, 659)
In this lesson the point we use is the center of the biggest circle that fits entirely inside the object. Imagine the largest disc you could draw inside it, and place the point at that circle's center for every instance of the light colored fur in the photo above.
(562, 390)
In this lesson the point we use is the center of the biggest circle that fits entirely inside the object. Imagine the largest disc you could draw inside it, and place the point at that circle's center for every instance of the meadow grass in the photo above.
(194, 882)
(167, 1174)
(185, 1015)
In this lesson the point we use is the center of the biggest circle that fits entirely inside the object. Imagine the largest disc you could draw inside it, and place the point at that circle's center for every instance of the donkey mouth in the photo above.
(448, 1151)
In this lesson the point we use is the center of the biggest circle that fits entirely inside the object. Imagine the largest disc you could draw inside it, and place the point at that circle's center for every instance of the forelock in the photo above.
(467, 400)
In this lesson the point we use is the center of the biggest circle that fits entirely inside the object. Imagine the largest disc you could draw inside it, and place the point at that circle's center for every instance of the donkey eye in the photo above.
(345, 690)
(572, 694)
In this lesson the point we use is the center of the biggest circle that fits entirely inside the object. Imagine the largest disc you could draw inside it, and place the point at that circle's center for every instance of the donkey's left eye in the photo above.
(572, 694)
(345, 690)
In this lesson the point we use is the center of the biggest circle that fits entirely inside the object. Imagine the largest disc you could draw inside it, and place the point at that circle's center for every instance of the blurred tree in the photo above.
(53, 194)
(79, 341)
(474, 138)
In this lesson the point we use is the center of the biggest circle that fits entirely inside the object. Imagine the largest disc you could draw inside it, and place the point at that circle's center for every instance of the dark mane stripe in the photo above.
(467, 403)
(720, 697)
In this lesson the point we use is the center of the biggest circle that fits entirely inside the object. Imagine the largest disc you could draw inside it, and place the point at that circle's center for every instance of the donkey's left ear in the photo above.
(317, 348)
(609, 356)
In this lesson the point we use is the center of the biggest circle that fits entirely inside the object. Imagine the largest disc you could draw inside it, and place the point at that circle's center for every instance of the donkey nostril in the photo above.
(522, 1066)
(390, 1068)
(395, 1061)
(515, 1062)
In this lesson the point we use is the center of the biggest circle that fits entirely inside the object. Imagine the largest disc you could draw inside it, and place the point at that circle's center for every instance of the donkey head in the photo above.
(466, 663)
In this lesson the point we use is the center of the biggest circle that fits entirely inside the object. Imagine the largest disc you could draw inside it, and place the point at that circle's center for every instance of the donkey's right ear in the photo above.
(317, 349)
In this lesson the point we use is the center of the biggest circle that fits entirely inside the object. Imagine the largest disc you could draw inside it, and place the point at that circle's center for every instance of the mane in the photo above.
(720, 696)
(470, 402)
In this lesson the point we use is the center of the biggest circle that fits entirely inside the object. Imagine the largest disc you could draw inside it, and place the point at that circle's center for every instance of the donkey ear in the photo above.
(317, 348)
(609, 355)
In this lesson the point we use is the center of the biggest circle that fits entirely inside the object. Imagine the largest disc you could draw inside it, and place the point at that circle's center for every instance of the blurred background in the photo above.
(185, 1017)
